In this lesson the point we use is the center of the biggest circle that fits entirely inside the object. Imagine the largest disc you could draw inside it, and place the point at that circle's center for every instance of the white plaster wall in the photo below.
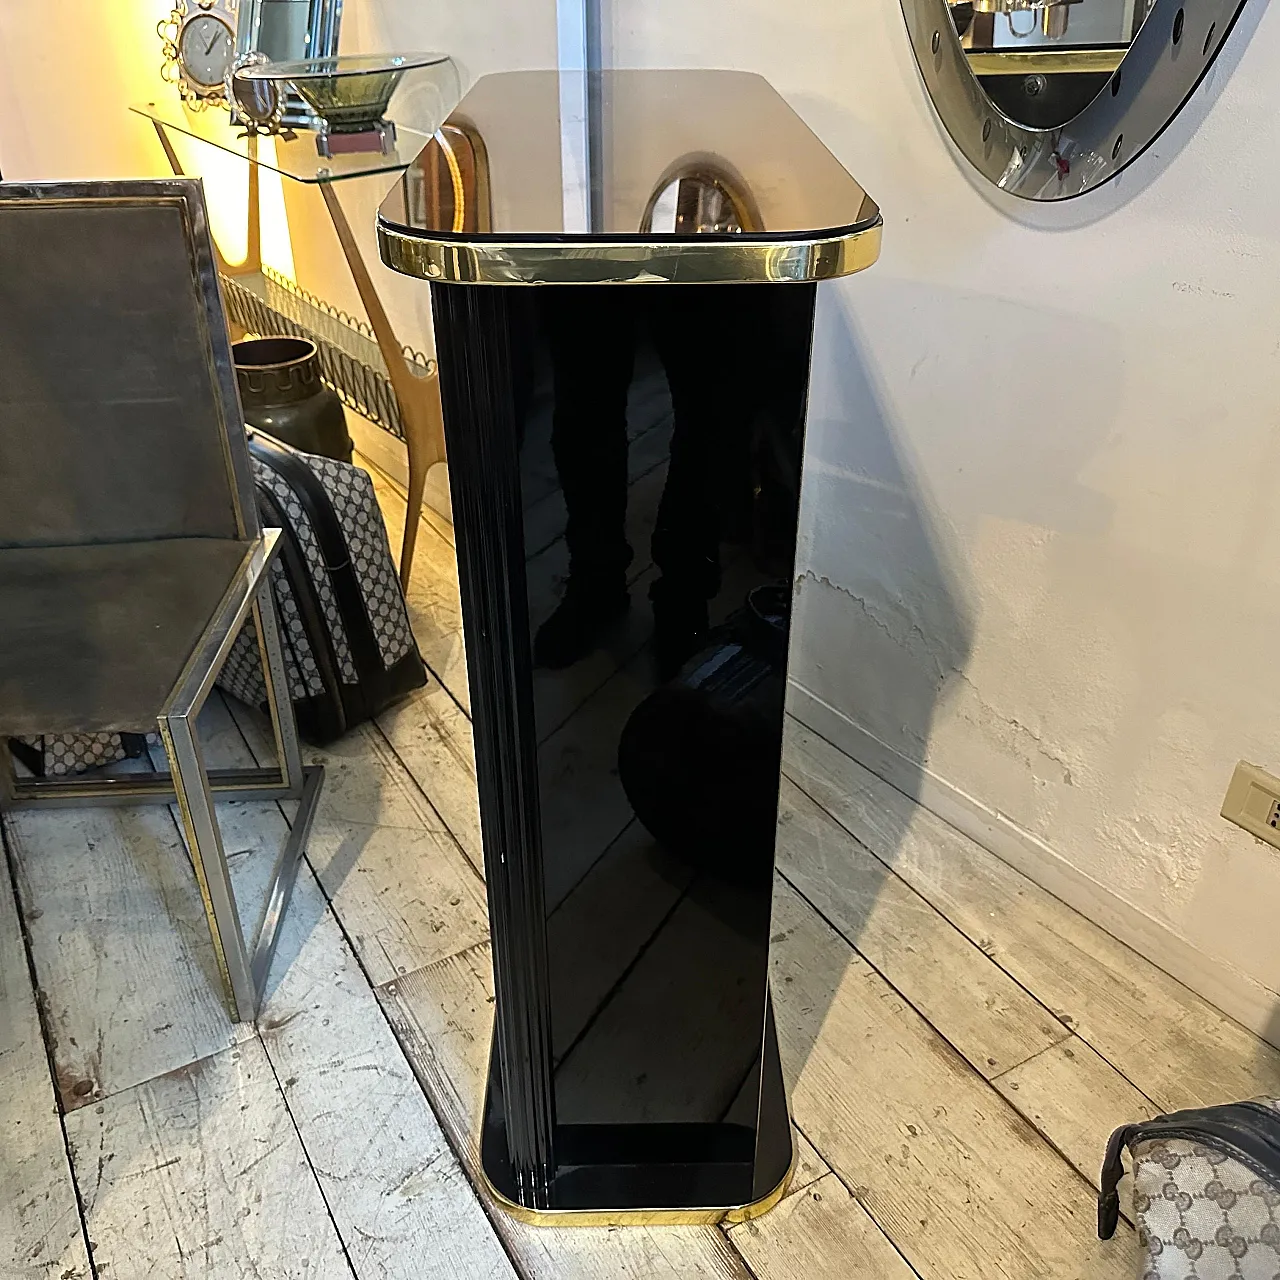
(1041, 554)
(68, 71)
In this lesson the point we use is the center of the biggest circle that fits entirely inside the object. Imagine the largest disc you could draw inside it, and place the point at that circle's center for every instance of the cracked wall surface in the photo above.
(1040, 551)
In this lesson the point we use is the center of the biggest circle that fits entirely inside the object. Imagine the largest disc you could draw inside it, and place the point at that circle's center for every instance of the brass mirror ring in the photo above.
(1168, 58)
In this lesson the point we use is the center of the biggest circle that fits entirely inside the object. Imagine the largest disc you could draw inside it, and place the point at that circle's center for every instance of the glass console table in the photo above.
(294, 155)
(623, 287)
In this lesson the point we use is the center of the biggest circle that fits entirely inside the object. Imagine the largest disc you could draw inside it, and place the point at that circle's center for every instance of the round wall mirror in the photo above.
(1050, 98)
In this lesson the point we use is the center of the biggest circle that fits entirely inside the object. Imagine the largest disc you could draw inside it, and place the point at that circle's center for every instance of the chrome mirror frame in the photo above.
(1153, 82)
(324, 19)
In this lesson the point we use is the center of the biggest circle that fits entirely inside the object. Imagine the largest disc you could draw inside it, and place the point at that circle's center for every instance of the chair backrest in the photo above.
(119, 416)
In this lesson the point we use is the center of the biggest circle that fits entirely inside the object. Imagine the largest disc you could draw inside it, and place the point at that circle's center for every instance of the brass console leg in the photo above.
(419, 397)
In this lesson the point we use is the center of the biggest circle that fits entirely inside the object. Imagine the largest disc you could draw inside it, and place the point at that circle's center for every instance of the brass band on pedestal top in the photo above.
(566, 171)
(690, 261)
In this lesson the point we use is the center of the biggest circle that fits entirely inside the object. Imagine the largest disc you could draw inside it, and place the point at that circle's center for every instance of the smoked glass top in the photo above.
(625, 156)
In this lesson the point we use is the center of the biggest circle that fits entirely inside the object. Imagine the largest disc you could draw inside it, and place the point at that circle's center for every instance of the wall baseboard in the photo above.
(1225, 987)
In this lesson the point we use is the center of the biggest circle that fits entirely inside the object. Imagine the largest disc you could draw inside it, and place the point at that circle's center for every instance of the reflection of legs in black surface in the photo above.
(591, 333)
(697, 337)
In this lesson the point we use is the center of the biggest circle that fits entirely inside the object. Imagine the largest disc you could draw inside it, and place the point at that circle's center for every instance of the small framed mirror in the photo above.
(1049, 98)
(287, 31)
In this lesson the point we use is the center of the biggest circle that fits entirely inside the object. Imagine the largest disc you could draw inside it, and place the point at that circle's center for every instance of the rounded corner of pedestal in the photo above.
(758, 1208)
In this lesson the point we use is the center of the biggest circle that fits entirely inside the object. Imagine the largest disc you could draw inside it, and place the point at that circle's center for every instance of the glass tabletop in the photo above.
(348, 64)
(295, 154)
(625, 156)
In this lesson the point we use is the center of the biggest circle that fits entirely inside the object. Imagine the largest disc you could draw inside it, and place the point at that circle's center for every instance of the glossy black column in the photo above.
(637, 451)
(473, 336)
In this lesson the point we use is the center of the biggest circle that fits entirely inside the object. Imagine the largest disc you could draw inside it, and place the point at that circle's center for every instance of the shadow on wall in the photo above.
(868, 540)
(886, 605)
(986, 389)
(883, 620)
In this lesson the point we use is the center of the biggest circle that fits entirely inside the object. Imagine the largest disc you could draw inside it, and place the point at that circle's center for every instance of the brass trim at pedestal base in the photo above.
(640, 1217)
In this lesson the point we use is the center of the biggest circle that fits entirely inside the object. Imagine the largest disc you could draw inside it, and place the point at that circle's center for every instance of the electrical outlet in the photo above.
(1253, 802)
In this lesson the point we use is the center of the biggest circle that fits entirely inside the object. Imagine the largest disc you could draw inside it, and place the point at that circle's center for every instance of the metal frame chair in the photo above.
(243, 967)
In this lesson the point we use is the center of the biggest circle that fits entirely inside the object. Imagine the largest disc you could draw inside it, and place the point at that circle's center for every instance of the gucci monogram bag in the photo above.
(1206, 1192)
(348, 649)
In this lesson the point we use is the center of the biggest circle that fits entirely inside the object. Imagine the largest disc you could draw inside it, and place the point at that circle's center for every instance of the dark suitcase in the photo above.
(348, 647)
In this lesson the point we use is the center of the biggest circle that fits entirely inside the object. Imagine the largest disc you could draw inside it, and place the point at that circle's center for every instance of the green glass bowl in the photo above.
(349, 93)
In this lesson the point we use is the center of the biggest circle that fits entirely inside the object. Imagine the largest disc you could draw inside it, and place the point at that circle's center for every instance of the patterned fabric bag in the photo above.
(1206, 1192)
(60, 755)
(348, 647)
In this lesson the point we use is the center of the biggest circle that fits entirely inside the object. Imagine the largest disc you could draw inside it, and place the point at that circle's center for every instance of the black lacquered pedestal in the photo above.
(625, 466)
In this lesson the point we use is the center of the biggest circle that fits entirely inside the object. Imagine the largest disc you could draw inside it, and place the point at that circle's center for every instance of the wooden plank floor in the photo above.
(957, 1043)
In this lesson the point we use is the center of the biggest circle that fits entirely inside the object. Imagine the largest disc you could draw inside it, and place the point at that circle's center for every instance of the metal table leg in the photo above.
(419, 397)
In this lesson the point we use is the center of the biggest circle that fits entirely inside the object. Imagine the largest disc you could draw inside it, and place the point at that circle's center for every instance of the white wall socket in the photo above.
(1253, 802)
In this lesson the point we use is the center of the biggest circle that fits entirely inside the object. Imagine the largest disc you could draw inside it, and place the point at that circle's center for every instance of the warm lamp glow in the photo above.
(226, 194)
(277, 247)
(226, 178)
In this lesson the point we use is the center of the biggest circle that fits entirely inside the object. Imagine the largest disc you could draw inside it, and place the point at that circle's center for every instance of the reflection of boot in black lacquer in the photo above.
(680, 626)
(590, 607)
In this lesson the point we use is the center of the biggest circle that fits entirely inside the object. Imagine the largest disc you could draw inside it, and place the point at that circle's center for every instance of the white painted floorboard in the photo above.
(368, 1184)
(957, 1042)
(40, 1231)
(399, 1199)
(120, 944)
(200, 1173)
